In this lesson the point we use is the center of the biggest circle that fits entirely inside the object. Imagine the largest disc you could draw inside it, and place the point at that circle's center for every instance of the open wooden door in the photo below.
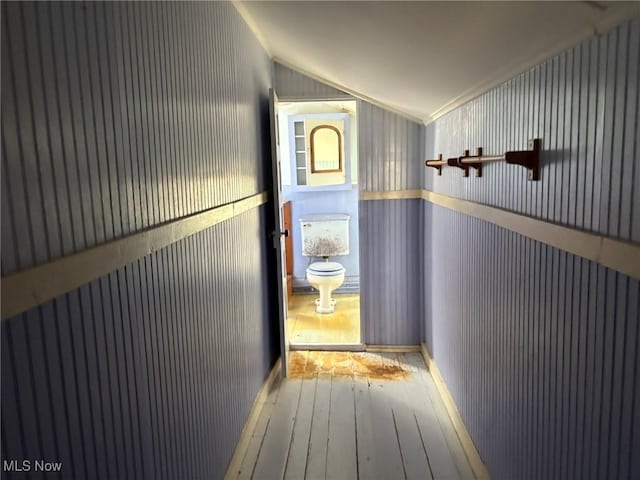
(280, 233)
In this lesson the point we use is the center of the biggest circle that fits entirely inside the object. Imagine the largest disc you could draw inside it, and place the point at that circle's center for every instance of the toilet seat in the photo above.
(325, 269)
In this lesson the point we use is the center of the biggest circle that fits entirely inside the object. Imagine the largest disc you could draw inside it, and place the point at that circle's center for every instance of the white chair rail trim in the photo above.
(618, 255)
(31, 287)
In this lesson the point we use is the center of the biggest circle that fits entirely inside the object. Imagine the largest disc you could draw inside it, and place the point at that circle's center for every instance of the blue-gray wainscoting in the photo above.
(149, 372)
(118, 117)
(539, 349)
(391, 274)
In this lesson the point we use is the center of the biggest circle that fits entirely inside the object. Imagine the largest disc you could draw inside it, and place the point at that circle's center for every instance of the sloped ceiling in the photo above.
(423, 58)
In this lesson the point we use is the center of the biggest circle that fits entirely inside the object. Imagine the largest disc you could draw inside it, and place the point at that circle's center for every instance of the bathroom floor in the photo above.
(308, 327)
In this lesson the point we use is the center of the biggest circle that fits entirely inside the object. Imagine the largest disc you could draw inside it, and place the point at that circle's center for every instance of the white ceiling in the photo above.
(423, 58)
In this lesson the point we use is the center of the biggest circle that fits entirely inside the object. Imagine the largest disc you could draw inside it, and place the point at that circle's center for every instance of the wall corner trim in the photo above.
(473, 456)
(29, 288)
(233, 471)
(618, 255)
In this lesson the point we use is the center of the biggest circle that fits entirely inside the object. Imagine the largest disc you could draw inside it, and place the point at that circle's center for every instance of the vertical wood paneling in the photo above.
(117, 117)
(292, 85)
(390, 150)
(583, 103)
(391, 269)
(148, 372)
(538, 347)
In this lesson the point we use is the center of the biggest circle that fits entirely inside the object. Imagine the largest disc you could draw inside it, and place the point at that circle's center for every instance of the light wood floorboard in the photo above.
(355, 416)
(297, 461)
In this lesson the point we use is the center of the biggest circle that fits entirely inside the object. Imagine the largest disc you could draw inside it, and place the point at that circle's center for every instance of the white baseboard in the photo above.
(328, 347)
(475, 461)
(392, 348)
(252, 420)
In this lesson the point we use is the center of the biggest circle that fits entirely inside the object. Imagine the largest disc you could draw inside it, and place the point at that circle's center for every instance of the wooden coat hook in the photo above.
(437, 164)
(529, 159)
(455, 162)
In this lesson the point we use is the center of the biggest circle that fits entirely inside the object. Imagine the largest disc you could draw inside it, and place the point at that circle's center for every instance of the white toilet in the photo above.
(325, 235)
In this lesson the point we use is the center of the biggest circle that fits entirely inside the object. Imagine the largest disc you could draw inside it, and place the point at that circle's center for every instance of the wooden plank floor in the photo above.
(347, 415)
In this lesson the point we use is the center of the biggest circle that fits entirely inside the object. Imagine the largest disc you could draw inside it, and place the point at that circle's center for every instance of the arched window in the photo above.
(326, 149)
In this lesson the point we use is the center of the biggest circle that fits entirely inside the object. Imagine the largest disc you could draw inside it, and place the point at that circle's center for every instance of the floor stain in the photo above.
(297, 365)
(308, 365)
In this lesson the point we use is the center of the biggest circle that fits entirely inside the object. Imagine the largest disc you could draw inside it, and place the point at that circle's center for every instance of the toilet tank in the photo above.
(325, 235)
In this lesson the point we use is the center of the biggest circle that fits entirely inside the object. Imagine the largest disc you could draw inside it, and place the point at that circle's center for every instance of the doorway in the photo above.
(307, 190)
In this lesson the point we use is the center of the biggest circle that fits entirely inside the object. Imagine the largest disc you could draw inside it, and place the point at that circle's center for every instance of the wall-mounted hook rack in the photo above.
(455, 162)
(437, 164)
(530, 159)
(469, 161)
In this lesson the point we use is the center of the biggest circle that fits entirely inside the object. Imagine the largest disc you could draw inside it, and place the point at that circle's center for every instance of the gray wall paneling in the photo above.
(584, 104)
(539, 348)
(390, 148)
(148, 372)
(118, 117)
(293, 85)
(391, 270)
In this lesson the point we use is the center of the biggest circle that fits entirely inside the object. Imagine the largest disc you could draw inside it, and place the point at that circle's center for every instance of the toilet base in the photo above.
(327, 307)
(325, 284)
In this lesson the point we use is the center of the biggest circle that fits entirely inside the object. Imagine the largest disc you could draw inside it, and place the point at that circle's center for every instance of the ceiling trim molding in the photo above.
(508, 75)
(603, 26)
(253, 26)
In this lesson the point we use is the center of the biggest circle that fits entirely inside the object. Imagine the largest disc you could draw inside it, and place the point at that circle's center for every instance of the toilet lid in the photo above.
(326, 268)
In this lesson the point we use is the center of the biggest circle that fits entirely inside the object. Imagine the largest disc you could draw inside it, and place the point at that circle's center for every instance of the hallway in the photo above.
(496, 188)
(354, 415)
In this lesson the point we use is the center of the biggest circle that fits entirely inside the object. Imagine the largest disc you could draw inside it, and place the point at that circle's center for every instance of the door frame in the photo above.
(282, 267)
(278, 232)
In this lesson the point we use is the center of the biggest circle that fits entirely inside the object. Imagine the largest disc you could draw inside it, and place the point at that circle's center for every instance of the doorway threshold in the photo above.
(328, 347)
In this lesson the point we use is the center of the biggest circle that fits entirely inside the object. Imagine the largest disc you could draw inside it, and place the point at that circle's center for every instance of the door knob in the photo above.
(284, 233)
